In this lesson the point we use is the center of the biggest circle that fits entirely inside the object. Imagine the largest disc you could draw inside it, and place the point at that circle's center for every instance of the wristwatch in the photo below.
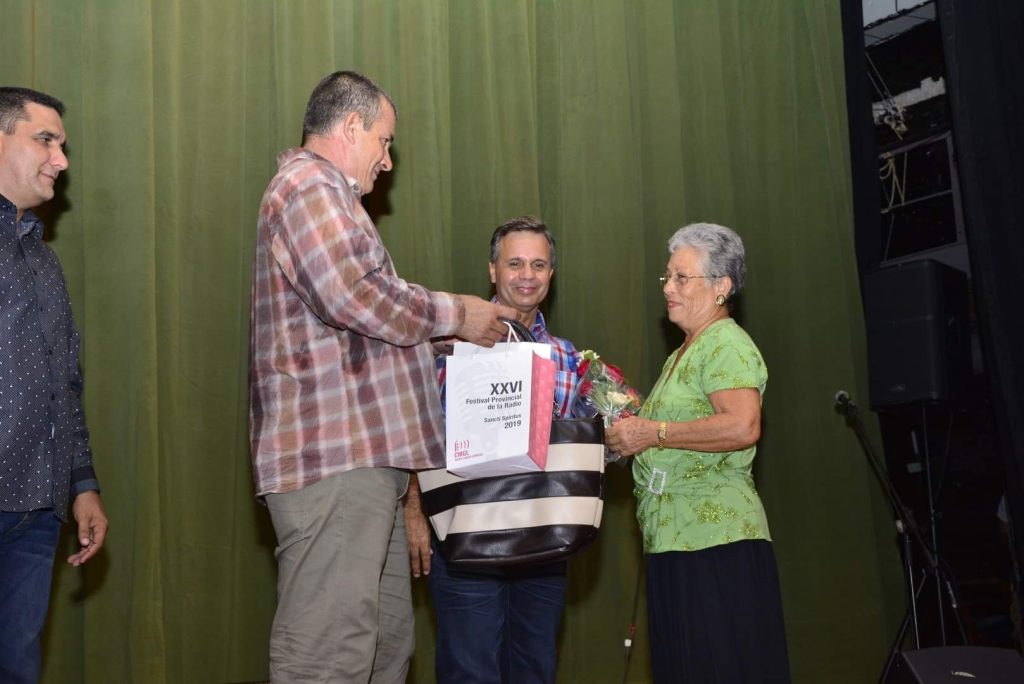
(662, 434)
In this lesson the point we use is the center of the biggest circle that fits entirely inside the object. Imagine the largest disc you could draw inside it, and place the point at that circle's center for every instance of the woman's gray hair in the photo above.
(721, 251)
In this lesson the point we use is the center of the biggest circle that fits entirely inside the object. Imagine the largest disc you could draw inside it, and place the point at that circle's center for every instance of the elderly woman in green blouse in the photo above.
(714, 609)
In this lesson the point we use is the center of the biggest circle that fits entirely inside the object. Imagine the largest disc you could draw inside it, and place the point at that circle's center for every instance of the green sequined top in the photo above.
(691, 500)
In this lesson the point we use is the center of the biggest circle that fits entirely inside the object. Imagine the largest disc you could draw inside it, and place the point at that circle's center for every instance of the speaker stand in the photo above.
(944, 585)
(945, 582)
(908, 530)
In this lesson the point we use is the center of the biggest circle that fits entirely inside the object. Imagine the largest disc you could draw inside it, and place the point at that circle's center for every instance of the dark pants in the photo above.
(28, 543)
(715, 615)
(496, 628)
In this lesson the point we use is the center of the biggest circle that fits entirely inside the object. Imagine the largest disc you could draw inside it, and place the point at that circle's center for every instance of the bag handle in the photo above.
(517, 329)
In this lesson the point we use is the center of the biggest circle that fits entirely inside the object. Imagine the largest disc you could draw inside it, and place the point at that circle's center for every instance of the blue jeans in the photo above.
(28, 543)
(496, 628)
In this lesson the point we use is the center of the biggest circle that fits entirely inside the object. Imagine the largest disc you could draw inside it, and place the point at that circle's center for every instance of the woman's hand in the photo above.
(735, 424)
(631, 435)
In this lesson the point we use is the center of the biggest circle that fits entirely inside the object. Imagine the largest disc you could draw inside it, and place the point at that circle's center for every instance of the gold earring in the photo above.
(720, 300)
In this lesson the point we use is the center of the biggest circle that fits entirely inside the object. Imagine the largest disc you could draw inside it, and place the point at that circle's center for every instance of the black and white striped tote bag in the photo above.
(523, 518)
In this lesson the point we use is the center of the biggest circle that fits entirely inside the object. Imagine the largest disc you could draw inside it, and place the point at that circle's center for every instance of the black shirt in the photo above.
(45, 458)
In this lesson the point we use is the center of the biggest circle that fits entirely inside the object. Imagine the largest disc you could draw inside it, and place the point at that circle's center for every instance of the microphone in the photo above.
(843, 398)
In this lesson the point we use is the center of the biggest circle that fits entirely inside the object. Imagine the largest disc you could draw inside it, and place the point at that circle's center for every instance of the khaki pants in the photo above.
(344, 610)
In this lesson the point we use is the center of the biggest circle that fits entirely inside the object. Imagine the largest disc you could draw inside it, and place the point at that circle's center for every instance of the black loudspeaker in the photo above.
(958, 665)
(918, 333)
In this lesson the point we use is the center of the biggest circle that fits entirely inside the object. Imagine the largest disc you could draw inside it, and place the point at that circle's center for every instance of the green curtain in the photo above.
(617, 121)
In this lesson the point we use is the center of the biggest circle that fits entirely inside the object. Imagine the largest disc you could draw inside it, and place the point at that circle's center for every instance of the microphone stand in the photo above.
(903, 520)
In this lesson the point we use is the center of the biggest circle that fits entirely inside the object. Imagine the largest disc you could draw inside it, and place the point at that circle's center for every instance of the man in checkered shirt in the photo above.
(343, 400)
(501, 625)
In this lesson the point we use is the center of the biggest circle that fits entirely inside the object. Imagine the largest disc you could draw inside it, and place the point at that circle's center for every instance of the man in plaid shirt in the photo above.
(343, 400)
(501, 625)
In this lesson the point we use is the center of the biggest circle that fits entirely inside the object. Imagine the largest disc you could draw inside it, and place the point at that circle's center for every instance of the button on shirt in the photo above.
(45, 458)
(341, 368)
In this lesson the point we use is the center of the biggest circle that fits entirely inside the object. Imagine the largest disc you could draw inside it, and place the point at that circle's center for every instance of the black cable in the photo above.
(631, 631)
(946, 458)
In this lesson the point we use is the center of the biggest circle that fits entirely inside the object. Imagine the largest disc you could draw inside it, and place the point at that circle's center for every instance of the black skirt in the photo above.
(715, 615)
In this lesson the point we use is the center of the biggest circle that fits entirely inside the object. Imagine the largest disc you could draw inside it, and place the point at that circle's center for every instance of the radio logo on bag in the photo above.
(461, 448)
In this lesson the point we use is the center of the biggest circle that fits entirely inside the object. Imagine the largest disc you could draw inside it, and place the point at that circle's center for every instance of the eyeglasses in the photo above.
(680, 278)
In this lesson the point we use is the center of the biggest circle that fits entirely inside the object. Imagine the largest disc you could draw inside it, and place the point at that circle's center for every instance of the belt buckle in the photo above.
(656, 482)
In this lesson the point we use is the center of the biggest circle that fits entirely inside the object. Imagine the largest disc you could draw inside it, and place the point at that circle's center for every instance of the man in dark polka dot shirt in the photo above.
(45, 460)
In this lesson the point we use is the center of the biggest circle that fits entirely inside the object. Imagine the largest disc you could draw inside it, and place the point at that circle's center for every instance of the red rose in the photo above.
(615, 374)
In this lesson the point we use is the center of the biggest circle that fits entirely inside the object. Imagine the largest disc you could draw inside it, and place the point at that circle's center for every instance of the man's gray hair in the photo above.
(721, 251)
(13, 102)
(339, 94)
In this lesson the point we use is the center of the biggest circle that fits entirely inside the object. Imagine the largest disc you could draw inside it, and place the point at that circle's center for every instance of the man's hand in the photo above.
(92, 526)
(481, 325)
(416, 529)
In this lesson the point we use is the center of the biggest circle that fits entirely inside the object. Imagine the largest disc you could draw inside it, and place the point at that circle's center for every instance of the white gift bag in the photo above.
(498, 406)
(470, 349)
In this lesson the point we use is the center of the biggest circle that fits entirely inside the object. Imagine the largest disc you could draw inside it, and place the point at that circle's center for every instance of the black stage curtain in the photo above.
(984, 53)
(863, 149)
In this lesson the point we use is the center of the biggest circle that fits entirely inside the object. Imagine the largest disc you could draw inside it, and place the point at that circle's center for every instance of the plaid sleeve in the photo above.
(442, 366)
(339, 267)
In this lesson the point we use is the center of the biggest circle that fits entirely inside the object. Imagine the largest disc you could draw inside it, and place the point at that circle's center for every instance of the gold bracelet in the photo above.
(662, 434)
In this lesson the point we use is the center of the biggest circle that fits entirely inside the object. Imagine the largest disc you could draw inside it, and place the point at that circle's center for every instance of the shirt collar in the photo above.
(29, 223)
(294, 153)
(539, 324)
